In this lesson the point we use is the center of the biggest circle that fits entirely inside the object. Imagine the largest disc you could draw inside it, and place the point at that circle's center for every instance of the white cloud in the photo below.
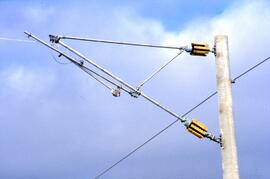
(25, 81)
(103, 121)
(246, 25)
(38, 14)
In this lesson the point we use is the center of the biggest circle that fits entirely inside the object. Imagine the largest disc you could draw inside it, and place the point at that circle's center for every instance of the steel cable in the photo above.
(174, 122)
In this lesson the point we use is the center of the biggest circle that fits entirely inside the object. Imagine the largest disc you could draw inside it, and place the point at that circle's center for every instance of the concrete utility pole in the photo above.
(228, 151)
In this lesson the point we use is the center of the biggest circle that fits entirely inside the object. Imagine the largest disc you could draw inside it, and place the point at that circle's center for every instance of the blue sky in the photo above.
(56, 122)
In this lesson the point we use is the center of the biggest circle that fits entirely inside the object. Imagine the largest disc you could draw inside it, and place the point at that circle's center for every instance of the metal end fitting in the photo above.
(214, 50)
(187, 49)
(214, 138)
(54, 39)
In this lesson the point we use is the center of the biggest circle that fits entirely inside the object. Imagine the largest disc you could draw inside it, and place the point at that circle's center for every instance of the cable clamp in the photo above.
(81, 62)
(214, 50)
(29, 35)
(136, 93)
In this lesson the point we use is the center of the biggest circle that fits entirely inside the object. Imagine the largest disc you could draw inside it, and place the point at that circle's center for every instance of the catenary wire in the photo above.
(62, 63)
(15, 40)
(133, 151)
(250, 69)
(174, 122)
(98, 80)
(85, 70)
(92, 73)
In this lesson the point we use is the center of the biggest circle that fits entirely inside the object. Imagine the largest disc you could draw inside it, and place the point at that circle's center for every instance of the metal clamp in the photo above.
(214, 138)
(136, 93)
(54, 39)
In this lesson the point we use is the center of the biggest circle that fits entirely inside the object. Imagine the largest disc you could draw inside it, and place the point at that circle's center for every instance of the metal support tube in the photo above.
(182, 119)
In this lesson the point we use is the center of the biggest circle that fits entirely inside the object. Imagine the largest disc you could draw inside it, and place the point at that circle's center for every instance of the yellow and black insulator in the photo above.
(197, 128)
(199, 49)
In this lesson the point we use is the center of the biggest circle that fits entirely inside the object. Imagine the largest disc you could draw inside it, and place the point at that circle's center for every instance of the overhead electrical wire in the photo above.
(57, 61)
(154, 136)
(174, 122)
(90, 72)
(98, 80)
(250, 69)
(15, 40)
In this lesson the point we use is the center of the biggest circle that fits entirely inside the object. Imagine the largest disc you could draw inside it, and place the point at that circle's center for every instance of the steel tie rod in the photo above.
(122, 43)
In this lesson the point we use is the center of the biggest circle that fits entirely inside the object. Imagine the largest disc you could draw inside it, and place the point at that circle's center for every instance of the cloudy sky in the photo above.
(57, 122)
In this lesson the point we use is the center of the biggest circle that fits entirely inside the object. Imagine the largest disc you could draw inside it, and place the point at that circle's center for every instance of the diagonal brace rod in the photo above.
(158, 70)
